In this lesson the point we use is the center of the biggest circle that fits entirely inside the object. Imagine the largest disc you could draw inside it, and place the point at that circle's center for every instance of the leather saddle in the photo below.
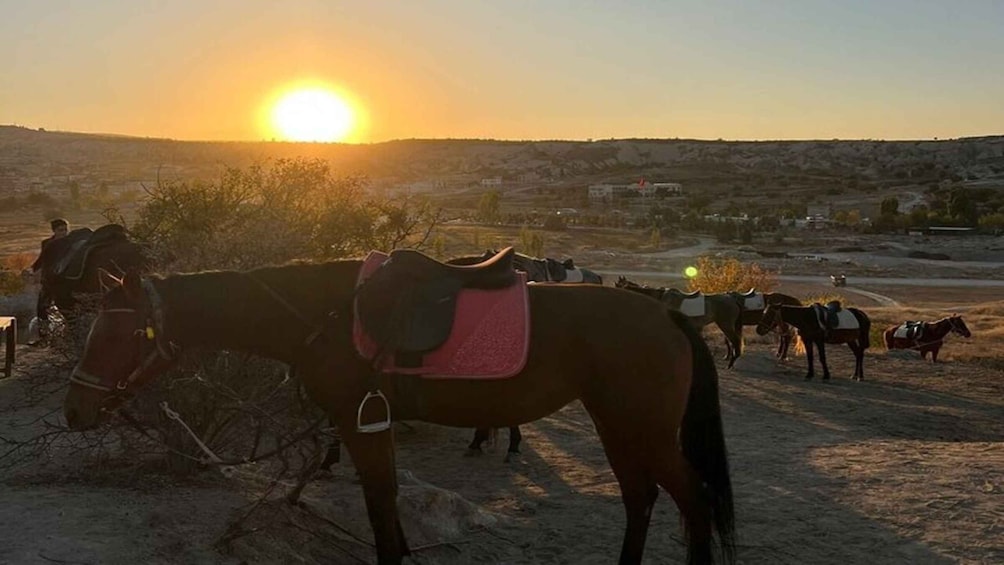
(914, 330)
(828, 314)
(71, 256)
(679, 294)
(407, 305)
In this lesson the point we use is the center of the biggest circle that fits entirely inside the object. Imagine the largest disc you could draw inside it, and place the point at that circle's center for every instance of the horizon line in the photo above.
(503, 140)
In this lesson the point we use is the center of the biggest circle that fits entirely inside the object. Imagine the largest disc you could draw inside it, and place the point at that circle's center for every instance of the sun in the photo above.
(313, 114)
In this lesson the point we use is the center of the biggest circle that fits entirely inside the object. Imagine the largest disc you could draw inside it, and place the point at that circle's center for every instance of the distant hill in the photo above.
(32, 156)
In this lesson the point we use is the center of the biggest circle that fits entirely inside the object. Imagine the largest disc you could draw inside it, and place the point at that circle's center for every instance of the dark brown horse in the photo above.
(71, 267)
(752, 316)
(810, 331)
(644, 375)
(724, 310)
(927, 337)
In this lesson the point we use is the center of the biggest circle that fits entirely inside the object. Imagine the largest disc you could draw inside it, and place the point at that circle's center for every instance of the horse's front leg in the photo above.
(480, 436)
(859, 361)
(514, 438)
(822, 359)
(373, 456)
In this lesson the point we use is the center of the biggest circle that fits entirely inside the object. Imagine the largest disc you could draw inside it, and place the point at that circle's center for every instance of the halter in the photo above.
(775, 321)
(153, 331)
(953, 323)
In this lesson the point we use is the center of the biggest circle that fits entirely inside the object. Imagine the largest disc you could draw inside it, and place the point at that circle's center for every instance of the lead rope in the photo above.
(172, 415)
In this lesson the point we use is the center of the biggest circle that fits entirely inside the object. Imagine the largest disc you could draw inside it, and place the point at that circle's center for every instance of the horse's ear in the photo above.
(132, 285)
(107, 281)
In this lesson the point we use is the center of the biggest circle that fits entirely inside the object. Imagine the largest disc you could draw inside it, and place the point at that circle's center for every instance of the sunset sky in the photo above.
(512, 69)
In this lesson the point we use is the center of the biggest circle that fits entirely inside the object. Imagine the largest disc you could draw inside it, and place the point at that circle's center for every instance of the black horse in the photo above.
(538, 270)
(813, 327)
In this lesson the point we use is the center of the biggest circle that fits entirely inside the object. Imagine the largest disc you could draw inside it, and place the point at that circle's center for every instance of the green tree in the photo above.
(889, 206)
(489, 206)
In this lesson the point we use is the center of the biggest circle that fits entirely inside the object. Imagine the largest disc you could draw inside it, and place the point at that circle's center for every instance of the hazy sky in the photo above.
(512, 69)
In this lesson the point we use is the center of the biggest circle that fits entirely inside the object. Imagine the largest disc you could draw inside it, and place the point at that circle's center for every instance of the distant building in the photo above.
(601, 192)
(642, 188)
(819, 211)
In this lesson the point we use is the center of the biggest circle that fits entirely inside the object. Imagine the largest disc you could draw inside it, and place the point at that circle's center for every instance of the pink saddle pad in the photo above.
(490, 338)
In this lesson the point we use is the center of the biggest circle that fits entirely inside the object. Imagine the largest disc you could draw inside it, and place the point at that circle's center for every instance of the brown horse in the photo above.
(806, 321)
(752, 316)
(929, 336)
(644, 375)
(724, 310)
(546, 270)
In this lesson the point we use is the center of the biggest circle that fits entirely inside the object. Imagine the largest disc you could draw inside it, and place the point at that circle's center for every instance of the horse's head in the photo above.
(771, 317)
(959, 326)
(623, 282)
(535, 269)
(125, 348)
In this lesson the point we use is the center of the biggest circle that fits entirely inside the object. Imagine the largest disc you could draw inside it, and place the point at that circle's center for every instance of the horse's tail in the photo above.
(739, 330)
(799, 344)
(887, 336)
(866, 330)
(703, 438)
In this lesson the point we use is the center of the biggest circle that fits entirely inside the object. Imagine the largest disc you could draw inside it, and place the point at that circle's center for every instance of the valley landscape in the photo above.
(903, 467)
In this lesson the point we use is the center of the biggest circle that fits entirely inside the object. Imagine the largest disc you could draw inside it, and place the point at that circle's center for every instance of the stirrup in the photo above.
(374, 427)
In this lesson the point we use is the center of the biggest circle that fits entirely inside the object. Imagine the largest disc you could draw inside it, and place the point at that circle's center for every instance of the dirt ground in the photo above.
(906, 467)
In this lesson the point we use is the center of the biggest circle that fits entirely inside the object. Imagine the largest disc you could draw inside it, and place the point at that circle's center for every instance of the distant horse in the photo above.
(722, 309)
(537, 270)
(543, 269)
(654, 400)
(70, 266)
(808, 321)
(753, 304)
(925, 336)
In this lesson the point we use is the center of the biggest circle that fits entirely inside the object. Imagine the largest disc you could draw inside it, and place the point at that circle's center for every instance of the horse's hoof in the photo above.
(473, 452)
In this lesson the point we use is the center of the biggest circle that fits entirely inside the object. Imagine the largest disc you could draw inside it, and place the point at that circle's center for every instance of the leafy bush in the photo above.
(729, 275)
(11, 266)
(297, 209)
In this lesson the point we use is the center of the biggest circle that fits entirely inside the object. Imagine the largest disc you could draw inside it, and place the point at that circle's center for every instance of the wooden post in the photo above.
(8, 327)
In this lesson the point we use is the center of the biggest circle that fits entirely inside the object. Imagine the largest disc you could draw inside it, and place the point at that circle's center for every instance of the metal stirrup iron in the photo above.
(374, 427)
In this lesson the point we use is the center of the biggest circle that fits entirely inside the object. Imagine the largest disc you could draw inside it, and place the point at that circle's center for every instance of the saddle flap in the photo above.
(444, 331)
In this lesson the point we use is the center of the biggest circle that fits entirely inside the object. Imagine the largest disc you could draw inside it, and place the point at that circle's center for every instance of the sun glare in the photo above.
(313, 114)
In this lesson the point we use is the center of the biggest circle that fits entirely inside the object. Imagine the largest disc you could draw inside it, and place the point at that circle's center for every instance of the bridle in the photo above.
(766, 323)
(954, 325)
(151, 329)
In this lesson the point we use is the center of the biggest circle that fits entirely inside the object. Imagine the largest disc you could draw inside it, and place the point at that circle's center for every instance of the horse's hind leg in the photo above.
(859, 356)
(675, 474)
(626, 454)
